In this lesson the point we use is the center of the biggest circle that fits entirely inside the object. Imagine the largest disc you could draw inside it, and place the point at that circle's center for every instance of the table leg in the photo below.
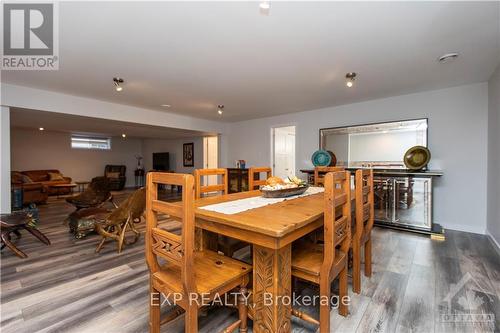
(38, 234)
(205, 240)
(6, 241)
(271, 282)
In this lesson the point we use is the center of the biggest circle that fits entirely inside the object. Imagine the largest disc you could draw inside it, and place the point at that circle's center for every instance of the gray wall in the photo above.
(174, 148)
(494, 156)
(36, 150)
(457, 139)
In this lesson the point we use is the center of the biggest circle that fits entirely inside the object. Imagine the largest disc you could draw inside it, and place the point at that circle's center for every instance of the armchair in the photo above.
(95, 195)
(116, 176)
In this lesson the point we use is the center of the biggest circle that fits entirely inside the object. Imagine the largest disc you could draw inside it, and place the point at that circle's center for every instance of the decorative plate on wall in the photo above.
(417, 157)
(321, 158)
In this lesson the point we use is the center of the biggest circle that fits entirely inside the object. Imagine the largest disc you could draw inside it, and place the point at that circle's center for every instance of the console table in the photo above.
(403, 198)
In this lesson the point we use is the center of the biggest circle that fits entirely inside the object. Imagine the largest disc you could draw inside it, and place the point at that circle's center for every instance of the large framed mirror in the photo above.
(378, 145)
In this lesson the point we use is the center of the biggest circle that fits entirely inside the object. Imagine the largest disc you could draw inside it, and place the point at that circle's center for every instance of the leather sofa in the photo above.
(116, 176)
(42, 176)
(32, 192)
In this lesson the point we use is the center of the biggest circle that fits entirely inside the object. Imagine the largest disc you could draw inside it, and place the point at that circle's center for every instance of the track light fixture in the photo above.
(351, 76)
(117, 82)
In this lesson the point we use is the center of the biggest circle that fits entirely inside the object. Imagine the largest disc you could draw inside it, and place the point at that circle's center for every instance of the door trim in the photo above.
(272, 129)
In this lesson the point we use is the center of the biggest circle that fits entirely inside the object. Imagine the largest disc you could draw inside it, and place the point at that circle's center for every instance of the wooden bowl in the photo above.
(284, 193)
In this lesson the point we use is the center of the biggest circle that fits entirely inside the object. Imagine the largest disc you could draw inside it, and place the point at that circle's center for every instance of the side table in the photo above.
(13, 224)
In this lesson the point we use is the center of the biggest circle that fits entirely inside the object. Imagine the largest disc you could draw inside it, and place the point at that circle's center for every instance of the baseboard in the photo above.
(494, 242)
(459, 227)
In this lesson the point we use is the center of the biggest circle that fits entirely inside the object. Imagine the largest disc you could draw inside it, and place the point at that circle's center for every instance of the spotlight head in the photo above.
(351, 76)
(117, 81)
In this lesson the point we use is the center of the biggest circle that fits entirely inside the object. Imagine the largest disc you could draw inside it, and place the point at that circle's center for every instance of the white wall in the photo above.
(43, 100)
(457, 139)
(493, 227)
(5, 160)
(36, 150)
(174, 148)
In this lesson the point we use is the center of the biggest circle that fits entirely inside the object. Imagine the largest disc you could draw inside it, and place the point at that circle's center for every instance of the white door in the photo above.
(210, 156)
(284, 151)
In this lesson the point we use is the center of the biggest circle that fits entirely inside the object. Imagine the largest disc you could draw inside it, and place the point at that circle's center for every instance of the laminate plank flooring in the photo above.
(417, 285)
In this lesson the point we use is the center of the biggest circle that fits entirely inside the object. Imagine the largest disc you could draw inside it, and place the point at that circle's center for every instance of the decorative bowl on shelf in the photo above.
(321, 158)
(284, 193)
(417, 158)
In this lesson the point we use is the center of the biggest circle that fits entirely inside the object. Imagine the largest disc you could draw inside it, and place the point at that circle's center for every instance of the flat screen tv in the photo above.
(161, 161)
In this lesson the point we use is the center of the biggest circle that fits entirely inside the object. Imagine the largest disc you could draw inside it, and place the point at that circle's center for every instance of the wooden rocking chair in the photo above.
(117, 223)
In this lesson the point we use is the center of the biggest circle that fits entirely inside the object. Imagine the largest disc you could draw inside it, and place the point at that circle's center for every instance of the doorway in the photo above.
(211, 156)
(284, 151)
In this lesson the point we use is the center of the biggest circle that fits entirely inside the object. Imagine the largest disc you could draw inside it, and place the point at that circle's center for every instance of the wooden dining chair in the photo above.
(322, 263)
(364, 218)
(223, 244)
(319, 174)
(190, 272)
(252, 172)
(220, 187)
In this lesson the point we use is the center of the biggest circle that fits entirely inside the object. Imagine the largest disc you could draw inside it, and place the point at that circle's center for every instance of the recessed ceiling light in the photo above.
(124, 135)
(351, 76)
(448, 57)
(41, 129)
(166, 105)
(220, 109)
(118, 81)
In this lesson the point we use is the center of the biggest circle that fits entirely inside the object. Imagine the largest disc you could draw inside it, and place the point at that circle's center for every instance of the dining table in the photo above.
(270, 230)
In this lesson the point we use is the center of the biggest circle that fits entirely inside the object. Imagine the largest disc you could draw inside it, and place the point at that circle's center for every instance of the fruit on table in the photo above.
(273, 181)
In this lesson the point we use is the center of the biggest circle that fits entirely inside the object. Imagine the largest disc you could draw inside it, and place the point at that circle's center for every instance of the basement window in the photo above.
(88, 142)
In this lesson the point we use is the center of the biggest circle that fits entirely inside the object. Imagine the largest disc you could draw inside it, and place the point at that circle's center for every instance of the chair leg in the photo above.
(356, 267)
(368, 258)
(154, 310)
(243, 310)
(122, 237)
(191, 319)
(101, 245)
(324, 306)
(343, 308)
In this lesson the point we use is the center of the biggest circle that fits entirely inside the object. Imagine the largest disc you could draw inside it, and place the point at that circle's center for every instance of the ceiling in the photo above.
(195, 55)
(59, 122)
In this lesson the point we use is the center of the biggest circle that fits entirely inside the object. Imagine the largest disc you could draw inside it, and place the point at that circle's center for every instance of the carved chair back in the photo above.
(337, 216)
(319, 174)
(221, 187)
(175, 249)
(252, 172)
(364, 203)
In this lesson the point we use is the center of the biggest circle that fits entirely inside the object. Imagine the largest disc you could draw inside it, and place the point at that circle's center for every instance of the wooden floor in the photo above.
(66, 287)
